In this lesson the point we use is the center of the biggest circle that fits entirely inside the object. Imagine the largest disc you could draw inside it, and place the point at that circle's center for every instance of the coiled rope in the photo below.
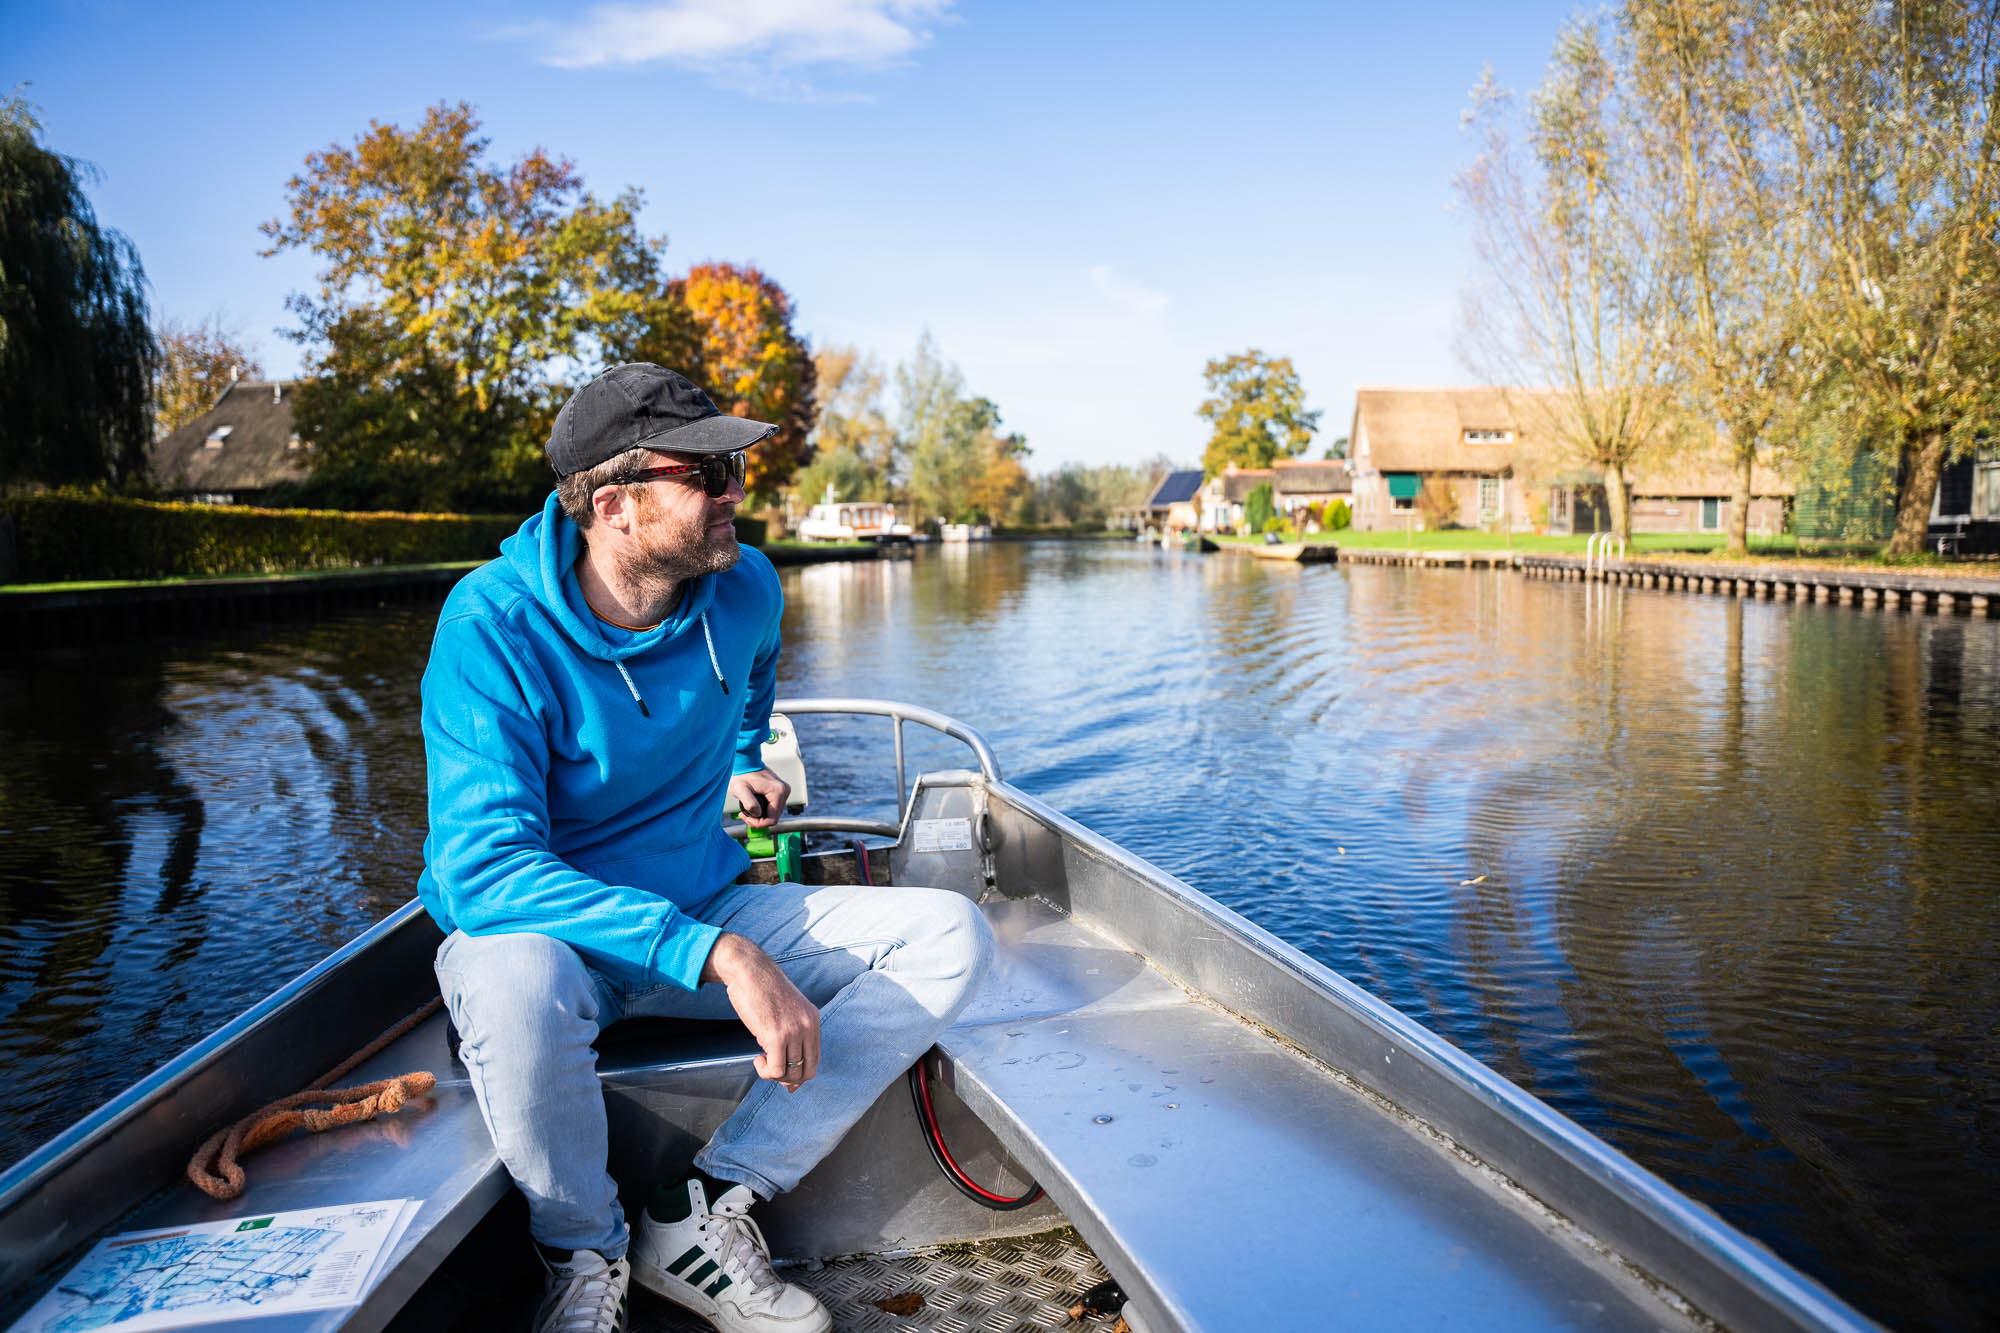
(215, 1168)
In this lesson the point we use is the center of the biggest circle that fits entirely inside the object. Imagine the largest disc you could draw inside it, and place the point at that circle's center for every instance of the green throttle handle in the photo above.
(788, 849)
(791, 855)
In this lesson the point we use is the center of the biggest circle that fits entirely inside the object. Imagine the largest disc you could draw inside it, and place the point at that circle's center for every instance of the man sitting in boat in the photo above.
(591, 696)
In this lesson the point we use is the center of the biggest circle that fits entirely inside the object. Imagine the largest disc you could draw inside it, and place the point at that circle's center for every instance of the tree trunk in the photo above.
(1744, 442)
(1913, 502)
(1620, 501)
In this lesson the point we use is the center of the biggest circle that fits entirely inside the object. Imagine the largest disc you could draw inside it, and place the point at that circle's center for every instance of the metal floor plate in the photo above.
(997, 1286)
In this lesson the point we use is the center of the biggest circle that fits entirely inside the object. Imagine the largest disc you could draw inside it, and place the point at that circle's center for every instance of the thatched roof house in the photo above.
(1479, 458)
(235, 452)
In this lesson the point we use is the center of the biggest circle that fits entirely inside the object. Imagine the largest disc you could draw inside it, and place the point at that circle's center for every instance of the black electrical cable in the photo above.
(920, 1100)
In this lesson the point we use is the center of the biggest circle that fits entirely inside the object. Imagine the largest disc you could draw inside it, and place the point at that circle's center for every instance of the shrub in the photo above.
(1338, 515)
(1274, 524)
(1257, 507)
(63, 537)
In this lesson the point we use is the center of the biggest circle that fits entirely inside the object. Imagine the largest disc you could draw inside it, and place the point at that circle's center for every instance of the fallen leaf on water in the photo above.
(1468, 883)
(1341, 850)
(906, 1304)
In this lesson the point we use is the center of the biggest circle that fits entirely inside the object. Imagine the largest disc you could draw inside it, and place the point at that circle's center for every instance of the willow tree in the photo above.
(1573, 294)
(1893, 108)
(1723, 185)
(76, 355)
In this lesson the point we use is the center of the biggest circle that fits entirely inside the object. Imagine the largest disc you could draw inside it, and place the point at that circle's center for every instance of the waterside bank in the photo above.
(59, 611)
(1974, 590)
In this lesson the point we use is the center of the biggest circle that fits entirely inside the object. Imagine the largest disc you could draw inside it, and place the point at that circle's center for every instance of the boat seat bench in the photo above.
(1231, 1182)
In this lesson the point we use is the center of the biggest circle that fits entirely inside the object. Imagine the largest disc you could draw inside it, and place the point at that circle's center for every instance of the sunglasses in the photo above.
(716, 470)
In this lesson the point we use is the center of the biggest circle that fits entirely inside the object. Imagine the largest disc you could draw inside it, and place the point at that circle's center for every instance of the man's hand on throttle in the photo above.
(761, 795)
(784, 1022)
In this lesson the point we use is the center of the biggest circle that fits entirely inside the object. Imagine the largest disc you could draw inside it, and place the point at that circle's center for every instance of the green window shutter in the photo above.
(1404, 485)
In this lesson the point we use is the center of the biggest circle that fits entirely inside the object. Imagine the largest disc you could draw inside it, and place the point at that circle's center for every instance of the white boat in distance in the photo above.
(965, 532)
(852, 521)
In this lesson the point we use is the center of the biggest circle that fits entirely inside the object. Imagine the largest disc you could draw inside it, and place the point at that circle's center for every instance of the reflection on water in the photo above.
(1714, 878)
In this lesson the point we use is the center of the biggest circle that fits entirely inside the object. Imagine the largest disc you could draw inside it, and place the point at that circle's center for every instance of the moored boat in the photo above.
(853, 520)
(1242, 1138)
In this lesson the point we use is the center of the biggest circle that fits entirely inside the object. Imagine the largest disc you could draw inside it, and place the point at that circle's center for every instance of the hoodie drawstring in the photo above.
(714, 663)
(631, 685)
(710, 638)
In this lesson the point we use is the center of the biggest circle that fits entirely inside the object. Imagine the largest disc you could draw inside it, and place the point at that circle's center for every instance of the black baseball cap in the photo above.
(637, 404)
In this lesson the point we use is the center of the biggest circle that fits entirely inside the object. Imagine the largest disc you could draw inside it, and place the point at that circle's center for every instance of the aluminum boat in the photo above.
(1233, 1134)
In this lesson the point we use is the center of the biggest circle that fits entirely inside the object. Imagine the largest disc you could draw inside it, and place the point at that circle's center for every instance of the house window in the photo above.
(1489, 497)
(1489, 435)
(1986, 484)
(217, 437)
(1711, 513)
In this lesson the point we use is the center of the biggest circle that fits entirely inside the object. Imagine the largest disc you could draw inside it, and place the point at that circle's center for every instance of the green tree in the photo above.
(76, 354)
(197, 363)
(1257, 507)
(843, 471)
(933, 428)
(452, 294)
(1257, 409)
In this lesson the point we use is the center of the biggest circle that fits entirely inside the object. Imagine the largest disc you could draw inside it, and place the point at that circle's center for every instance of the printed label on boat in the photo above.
(944, 835)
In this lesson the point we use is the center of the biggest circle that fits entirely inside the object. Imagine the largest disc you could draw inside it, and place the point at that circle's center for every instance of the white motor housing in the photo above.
(781, 756)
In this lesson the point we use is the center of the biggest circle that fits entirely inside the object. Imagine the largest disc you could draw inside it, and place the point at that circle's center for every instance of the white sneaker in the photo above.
(585, 1295)
(714, 1261)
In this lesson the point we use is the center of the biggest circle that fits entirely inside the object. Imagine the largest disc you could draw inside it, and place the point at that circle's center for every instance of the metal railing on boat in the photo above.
(989, 763)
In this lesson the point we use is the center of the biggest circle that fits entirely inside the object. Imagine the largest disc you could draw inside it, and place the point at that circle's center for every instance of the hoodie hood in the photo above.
(543, 554)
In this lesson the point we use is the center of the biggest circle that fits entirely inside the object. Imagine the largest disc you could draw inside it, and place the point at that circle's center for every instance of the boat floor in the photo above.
(996, 1286)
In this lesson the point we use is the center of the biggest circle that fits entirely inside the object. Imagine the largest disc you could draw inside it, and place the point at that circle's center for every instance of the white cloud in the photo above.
(1126, 294)
(707, 34)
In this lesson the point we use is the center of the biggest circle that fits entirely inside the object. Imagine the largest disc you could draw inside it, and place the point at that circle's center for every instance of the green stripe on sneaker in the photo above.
(700, 1275)
(693, 1253)
(715, 1287)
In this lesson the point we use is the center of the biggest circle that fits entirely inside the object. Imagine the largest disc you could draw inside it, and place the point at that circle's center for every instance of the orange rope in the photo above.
(214, 1168)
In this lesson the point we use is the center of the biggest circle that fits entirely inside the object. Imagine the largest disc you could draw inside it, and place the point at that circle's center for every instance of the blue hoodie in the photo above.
(577, 770)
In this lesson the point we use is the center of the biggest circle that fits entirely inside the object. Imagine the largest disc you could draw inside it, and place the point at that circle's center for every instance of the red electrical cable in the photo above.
(948, 1163)
(920, 1095)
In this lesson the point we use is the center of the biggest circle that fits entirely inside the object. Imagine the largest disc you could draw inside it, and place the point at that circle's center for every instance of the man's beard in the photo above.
(667, 555)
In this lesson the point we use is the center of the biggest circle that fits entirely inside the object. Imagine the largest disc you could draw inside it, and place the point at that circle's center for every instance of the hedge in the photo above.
(58, 538)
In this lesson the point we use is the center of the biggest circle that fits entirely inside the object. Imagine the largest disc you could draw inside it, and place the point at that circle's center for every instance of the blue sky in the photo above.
(1082, 202)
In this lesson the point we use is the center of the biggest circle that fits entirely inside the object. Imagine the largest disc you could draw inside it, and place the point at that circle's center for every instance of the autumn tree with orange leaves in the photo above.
(729, 329)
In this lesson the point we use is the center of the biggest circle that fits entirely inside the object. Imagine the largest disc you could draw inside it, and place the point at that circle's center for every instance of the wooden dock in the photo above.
(1916, 590)
(1943, 593)
(1489, 558)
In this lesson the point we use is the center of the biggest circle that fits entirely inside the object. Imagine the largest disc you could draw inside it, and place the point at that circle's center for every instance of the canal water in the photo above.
(1715, 878)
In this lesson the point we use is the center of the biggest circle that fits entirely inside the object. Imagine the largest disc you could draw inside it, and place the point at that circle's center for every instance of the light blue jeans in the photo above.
(890, 968)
